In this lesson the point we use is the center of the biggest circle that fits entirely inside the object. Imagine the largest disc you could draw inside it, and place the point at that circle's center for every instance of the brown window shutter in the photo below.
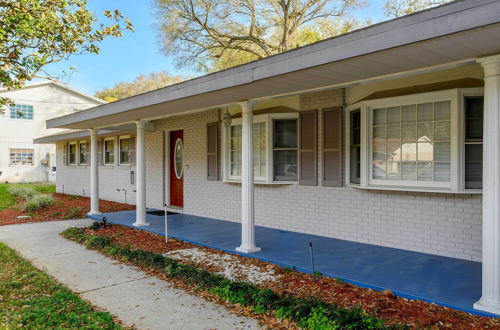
(65, 154)
(332, 147)
(132, 151)
(308, 148)
(212, 151)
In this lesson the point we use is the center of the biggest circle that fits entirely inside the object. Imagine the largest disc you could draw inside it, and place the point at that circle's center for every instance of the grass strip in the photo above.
(31, 298)
(309, 313)
(6, 199)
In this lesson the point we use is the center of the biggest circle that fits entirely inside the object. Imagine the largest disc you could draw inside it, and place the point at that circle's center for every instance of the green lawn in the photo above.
(30, 298)
(7, 200)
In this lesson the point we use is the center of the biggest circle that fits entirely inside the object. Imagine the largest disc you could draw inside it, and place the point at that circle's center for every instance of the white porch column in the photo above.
(247, 193)
(140, 181)
(94, 173)
(490, 299)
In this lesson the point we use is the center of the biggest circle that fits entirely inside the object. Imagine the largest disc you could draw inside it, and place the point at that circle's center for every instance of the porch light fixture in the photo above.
(226, 119)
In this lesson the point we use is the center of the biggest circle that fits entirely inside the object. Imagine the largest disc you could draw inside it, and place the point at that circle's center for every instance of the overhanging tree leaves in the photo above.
(35, 33)
(141, 84)
(398, 8)
(215, 34)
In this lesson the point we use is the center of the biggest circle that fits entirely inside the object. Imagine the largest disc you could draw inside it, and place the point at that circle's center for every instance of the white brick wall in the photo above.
(442, 224)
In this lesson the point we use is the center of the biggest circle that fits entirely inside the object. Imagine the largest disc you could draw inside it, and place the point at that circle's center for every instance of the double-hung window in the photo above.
(473, 167)
(82, 153)
(72, 153)
(124, 146)
(285, 149)
(355, 146)
(275, 155)
(415, 142)
(109, 151)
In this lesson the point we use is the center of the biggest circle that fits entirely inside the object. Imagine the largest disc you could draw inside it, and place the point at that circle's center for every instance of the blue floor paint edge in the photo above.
(305, 270)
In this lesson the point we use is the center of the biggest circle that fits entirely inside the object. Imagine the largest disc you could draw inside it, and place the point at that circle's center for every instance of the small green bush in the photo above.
(97, 242)
(22, 191)
(38, 201)
(73, 213)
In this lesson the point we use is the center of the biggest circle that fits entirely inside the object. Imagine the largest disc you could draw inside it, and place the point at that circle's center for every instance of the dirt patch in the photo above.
(386, 305)
(64, 207)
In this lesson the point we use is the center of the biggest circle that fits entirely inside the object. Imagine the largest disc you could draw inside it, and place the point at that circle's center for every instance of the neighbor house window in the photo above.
(82, 153)
(355, 146)
(21, 111)
(414, 142)
(109, 151)
(124, 150)
(473, 142)
(274, 148)
(21, 156)
(72, 153)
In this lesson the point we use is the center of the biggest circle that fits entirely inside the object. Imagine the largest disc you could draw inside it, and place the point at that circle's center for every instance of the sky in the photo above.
(122, 59)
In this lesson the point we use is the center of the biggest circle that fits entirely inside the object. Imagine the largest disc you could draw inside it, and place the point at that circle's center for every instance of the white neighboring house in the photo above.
(20, 159)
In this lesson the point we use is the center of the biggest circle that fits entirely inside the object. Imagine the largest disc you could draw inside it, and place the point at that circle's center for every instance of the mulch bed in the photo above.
(394, 310)
(64, 207)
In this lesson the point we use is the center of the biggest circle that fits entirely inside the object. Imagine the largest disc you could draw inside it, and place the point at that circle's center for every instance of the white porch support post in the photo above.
(490, 299)
(94, 173)
(140, 182)
(247, 185)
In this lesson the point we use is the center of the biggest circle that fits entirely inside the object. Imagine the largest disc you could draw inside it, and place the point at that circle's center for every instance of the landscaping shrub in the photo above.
(22, 191)
(73, 213)
(35, 196)
(38, 201)
(309, 313)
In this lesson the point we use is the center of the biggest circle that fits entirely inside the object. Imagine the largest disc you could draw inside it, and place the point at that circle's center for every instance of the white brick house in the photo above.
(20, 159)
(375, 136)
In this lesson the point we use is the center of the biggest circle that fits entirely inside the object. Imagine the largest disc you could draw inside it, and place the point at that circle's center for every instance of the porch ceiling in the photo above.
(449, 35)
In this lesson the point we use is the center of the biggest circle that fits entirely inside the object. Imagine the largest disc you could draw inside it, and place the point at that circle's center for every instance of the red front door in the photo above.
(176, 169)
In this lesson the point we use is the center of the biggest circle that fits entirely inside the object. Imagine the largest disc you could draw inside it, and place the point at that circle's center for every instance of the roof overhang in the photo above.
(72, 134)
(447, 36)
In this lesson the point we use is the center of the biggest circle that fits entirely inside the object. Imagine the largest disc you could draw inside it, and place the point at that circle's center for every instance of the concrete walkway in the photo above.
(134, 297)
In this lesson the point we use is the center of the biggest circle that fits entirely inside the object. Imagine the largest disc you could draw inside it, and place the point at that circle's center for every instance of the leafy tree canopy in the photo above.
(141, 84)
(215, 34)
(35, 33)
(398, 8)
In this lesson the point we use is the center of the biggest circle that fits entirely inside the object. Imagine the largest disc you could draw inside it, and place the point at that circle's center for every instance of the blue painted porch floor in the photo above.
(449, 282)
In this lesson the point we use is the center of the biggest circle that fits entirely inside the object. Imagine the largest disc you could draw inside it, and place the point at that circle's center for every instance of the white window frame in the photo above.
(76, 153)
(457, 139)
(268, 119)
(80, 153)
(124, 137)
(104, 151)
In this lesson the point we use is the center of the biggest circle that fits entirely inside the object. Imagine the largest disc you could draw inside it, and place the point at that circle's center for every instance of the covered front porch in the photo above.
(445, 281)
